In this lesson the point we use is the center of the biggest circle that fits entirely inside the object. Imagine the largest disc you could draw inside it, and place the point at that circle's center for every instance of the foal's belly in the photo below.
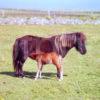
(46, 60)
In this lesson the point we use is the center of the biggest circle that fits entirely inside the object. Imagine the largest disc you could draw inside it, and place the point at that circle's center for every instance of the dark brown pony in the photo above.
(46, 50)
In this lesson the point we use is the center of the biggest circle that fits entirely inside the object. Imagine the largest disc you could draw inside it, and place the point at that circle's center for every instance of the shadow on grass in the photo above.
(46, 75)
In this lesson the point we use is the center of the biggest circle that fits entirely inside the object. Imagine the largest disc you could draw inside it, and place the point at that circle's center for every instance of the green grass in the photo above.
(81, 73)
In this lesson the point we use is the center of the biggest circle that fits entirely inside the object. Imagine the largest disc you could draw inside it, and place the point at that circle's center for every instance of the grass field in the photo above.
(81, 73)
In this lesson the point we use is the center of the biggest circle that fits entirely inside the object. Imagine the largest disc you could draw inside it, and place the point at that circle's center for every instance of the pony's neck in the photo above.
(64, 51)
(69, 44)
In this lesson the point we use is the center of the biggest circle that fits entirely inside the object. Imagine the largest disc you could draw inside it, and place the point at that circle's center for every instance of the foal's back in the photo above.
(46, 58)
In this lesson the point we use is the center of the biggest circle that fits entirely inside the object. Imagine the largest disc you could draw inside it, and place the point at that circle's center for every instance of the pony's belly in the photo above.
(33, 57)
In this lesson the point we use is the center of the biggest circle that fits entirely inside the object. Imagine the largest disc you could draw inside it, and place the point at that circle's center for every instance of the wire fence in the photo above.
(30, 13)
(23, 17)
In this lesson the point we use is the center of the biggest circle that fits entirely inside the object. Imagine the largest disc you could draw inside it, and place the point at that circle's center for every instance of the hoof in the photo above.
(16, 75)
(35, 78)
(19, 75)
(40, 77)
(58, 75)
(60, 79)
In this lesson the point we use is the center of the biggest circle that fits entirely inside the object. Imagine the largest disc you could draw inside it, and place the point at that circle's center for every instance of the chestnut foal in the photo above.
(48, 58)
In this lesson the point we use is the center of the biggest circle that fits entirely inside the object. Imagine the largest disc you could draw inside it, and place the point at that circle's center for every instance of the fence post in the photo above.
(3, 13)
(49, 13)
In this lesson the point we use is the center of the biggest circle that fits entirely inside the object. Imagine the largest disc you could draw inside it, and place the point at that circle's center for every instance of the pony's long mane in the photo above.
(65, 40)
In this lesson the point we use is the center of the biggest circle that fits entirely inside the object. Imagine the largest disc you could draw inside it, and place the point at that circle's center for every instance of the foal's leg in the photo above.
(38, 74)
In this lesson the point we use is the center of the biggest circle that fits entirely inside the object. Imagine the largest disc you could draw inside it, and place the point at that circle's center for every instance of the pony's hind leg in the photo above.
(21, 73)
(19, 69)
(16, 73)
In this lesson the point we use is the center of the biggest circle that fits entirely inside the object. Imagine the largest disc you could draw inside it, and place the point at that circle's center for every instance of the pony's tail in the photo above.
(15, 54)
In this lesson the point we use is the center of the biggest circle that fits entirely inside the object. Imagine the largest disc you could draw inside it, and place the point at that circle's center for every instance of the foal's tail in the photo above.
(16, 54)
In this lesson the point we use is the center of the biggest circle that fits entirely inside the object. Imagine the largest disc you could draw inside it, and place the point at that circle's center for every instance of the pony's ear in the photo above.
(78, 34)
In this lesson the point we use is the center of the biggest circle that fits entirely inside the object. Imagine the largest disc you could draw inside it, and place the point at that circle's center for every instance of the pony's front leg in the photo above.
(59, 72)
(58, 64)
(60, 75)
